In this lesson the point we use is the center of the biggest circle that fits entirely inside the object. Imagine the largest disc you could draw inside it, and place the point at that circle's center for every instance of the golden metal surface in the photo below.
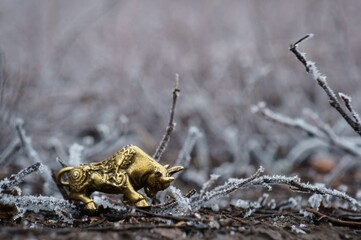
(125, 172)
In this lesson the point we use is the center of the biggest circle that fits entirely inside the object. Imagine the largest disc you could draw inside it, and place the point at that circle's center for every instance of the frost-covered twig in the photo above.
(297, 185)
(321, 80)
(33, 203)
(62, 208)
(17, 178)
(32, 154)
(182, 202)
(321, 130)
(298, 123)
(267, 181)
(230, 186)
(348, 146)
(11, 149)
(208, 184)
(164, 142)
(321, 189)
(26, 141)
(185, 154)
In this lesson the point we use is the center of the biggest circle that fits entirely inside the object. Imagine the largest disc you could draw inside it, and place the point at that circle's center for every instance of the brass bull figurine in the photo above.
(125, 172)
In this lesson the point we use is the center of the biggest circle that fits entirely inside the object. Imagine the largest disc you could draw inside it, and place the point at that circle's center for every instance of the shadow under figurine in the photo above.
(125, 172)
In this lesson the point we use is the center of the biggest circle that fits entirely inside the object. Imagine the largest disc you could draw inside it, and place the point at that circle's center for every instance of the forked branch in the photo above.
(311, 68)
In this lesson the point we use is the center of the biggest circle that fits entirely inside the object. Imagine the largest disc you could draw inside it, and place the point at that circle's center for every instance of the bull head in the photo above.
(165, 181)
(156, 184)
(160, 181)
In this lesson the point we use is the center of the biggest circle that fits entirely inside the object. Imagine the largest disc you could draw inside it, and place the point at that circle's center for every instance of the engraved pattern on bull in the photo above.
(125, 172)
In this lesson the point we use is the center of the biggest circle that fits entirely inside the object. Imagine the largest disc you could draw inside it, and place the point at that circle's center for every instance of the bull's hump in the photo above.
(127, 154)
(123, 157)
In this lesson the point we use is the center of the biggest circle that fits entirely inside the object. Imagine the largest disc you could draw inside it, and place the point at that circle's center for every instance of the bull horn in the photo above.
(167, 179)
(174, 170)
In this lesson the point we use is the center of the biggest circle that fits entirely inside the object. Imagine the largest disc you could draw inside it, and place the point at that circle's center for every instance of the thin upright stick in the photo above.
(166, 137)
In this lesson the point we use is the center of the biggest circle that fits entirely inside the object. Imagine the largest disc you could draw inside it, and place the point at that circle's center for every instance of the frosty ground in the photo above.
(81, 79)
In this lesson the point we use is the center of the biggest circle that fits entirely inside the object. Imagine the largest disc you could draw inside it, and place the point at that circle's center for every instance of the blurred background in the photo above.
(101, 74)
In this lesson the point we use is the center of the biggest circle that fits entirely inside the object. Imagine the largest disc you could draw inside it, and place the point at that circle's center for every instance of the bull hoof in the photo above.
(90, 206)
(142, 204)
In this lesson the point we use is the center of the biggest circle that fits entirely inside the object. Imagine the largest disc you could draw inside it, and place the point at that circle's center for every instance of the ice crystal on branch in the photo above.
(182, 202)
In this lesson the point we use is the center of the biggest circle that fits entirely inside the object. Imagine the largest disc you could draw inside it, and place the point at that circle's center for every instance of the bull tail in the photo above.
(60, 174)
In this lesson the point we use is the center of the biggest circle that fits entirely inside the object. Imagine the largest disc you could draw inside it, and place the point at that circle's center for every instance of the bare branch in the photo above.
(321, 80)
(163, 144)
(26, 141)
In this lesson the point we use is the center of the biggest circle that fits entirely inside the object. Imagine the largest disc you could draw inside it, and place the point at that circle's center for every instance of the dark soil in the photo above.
(225, 224)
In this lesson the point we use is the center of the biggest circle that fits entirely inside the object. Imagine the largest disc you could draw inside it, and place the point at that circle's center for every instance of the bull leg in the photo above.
(89, 203)
(134, 198)
(130, 196)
